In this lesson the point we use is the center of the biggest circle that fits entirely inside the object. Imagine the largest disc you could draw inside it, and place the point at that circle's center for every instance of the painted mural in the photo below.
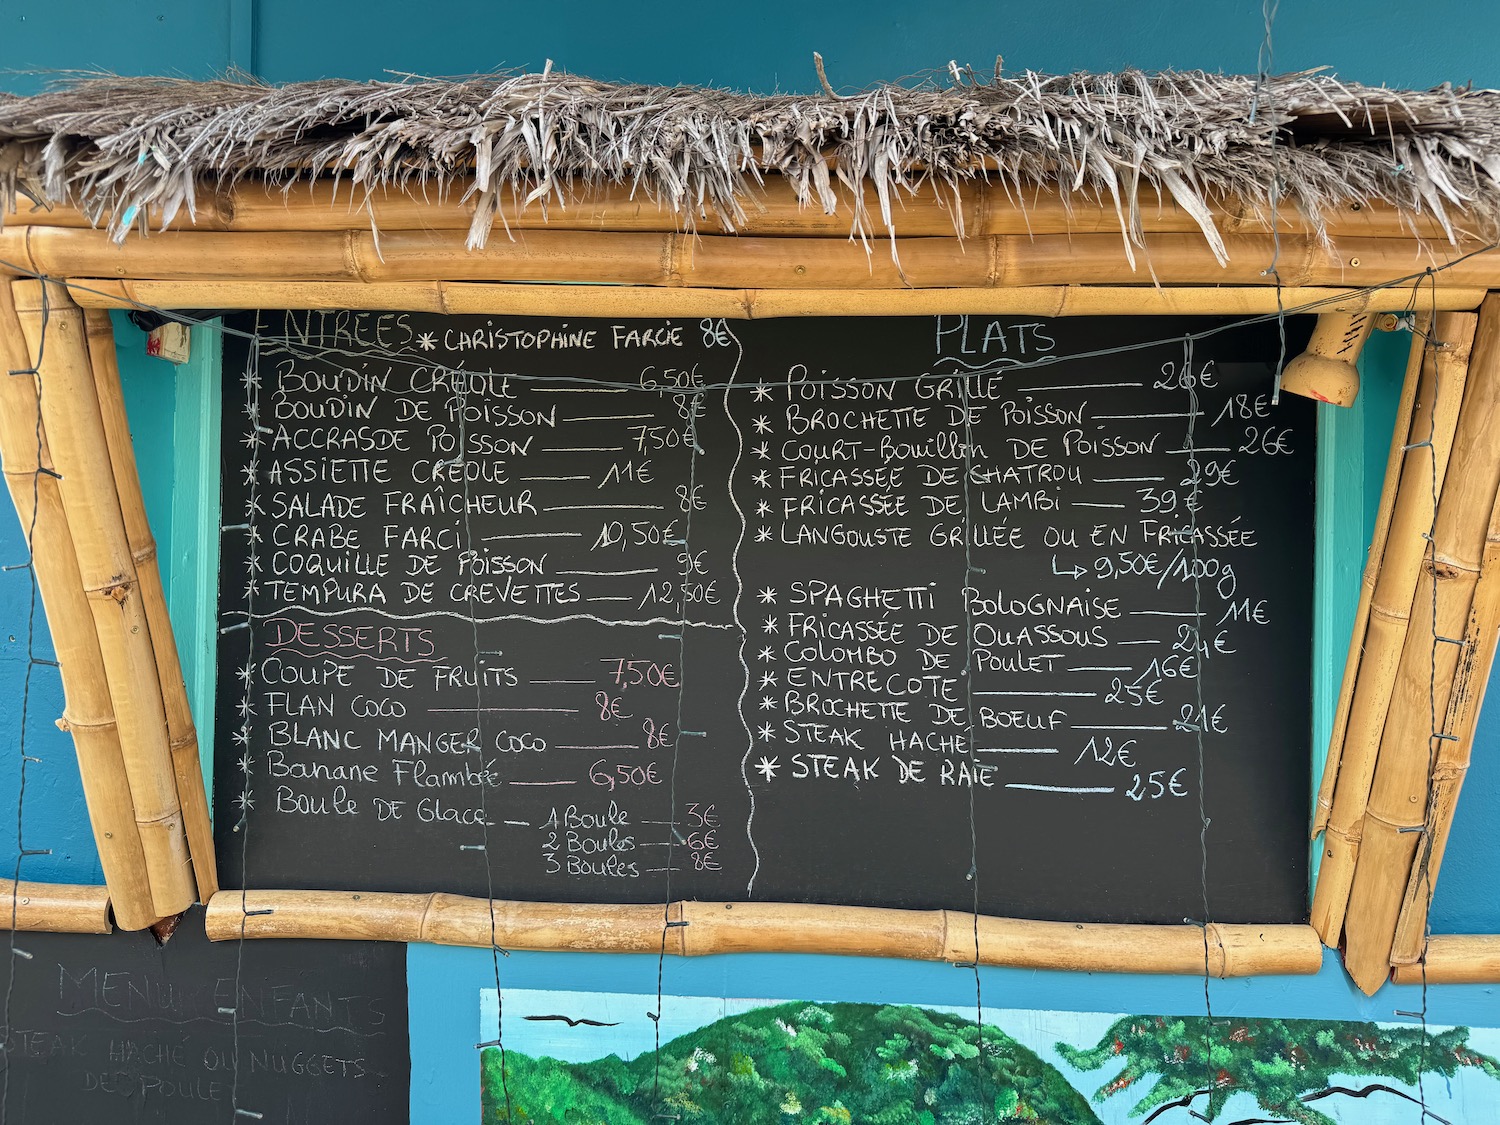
(615, 1059)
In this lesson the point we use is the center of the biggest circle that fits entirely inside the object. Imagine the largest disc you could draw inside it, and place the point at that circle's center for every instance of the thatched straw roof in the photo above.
(113, 147)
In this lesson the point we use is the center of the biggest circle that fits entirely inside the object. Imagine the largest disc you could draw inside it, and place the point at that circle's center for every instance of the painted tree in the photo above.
(1289, 1066)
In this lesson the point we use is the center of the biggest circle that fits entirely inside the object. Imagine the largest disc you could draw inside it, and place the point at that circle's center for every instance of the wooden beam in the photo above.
(1426, 449)
(54, 907)
(57, 341)
(1400, 791)
(982, 206)
(739, 262)
(1451, 762)
(1400, 435)
(1455, 959)
(88, 712)
(182, 736)
(760, 927)
(739, 304)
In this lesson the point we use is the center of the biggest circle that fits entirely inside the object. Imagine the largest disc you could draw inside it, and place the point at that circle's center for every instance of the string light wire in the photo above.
(33, 372)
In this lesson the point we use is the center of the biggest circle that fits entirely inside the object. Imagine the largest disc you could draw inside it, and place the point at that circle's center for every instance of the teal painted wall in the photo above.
(765, 46)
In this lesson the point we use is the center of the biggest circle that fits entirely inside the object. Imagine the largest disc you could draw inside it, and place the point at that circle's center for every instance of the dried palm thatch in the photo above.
(114, 147)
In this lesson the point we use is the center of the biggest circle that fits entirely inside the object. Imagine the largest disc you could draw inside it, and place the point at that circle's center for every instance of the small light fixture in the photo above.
(1326, 370)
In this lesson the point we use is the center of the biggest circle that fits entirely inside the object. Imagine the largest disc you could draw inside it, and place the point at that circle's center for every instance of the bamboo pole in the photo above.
(1452, 759)
(54, 331)
(88, 711)
(986, 206)
(54, 908)
(1455, 959)
(737, 262)
(1399, 794)
(703, 928)
(182, 737)
(1423, 469)
(740, 304)
(1400, 435)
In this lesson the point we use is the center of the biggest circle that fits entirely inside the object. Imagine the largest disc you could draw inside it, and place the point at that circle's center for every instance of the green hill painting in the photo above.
(822, 1064)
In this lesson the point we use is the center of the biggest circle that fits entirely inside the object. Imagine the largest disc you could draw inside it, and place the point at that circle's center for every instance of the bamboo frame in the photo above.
(1435, 415)
(1046, 255)
(1455, 959)
(1452, 759)
(737, 262)
(54, 907)
(70, 413)
(701, 928)
(1396, 809)
(770, 205)
(742, 304)
(182, 737)
(1400, 435)
(88, 711)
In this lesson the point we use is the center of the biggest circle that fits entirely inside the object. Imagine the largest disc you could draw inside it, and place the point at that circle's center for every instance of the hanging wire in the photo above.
(970, 570)
(461, 401)
(694, 403)
(1436, 733)
(245, 801)
(1190, 383)
(33, 372)
(1263, 81)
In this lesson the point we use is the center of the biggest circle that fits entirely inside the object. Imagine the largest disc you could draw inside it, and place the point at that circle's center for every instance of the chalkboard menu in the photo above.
(117, 1028)
(611, 611)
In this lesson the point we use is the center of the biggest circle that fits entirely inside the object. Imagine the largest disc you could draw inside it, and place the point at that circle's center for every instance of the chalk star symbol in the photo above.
(253, 533)
(761, 392)
(245, 802)
(765, 653)
(242, 736)
(251, 589)
(767, 679)
(244, 673)
(248, 472)
(767, 767)
(763, 451)
(763, 535)
(250, 379)
(768, 596)
(766, 732)
(762, 424)
(767, 703)
(245, 763)
(251, 439)
(426, 341)
(762, 508)
(762, 478)
(245, 708)
(770, 625)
